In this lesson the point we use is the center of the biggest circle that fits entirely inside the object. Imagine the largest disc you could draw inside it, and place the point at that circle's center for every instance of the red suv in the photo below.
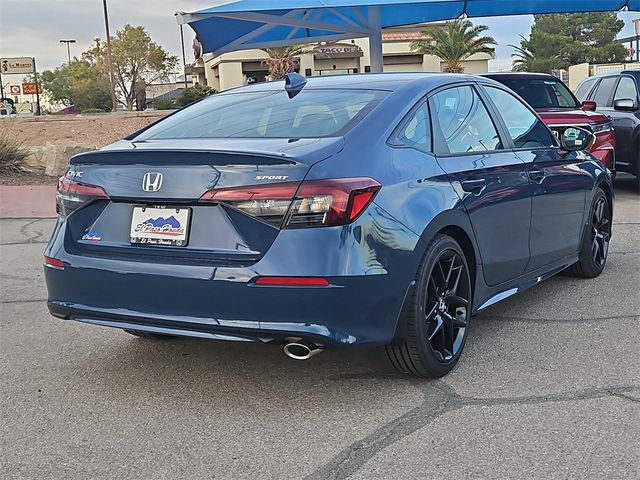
(559, 108)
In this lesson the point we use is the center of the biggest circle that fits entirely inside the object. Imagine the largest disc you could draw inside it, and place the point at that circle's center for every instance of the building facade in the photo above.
(351, 56)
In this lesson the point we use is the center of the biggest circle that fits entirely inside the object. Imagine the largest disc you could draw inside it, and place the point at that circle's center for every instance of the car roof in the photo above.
(519, 75)
(633, 73)
(374, 81)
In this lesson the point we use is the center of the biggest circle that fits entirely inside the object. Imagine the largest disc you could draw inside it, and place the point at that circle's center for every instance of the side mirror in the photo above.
(573, 139)
(624, 105)
(589, 105)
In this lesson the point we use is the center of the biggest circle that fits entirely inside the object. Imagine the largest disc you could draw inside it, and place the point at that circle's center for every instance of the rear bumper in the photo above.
(352, 311)
(361, 306)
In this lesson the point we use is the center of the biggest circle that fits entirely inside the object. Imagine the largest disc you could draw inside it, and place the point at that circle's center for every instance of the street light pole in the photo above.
(109, 60)
(184, 60)
(68, 48)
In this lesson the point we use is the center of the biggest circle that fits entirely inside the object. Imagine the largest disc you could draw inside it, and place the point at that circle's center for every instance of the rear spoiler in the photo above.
(177, 156)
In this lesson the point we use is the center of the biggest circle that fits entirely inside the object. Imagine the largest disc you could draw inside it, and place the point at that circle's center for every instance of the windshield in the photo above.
(542, 93)
(268, 114)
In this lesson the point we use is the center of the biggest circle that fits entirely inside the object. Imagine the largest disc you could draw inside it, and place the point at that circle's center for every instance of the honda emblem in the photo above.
(151, 182)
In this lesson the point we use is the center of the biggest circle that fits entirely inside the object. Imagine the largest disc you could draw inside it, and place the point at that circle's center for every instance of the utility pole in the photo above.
(109, 60)
(35, 77)
(184, 61)
(68, 48)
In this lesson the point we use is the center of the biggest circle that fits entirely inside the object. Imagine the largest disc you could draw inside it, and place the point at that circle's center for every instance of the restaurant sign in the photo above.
(337, 50)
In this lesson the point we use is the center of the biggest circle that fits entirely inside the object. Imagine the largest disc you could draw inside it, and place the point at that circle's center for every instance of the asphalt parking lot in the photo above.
(548, 387)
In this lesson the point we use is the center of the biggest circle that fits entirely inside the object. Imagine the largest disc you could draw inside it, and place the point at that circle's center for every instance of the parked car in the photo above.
(328, 212)
(559, 108)
(616, 95)
(6, 107)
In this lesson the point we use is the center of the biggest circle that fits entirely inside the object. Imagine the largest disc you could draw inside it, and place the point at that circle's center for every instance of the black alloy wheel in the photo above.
(446, 305)
(600, 232)
(595, 241)
(437, 314)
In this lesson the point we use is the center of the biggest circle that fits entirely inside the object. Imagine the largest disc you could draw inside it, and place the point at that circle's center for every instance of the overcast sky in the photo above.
(34, 27)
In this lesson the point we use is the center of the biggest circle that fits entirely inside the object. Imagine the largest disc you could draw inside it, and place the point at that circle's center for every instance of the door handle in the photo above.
(474, 186)
(537, 175)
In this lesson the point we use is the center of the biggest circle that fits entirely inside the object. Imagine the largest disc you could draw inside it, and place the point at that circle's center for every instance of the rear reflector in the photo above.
(53, 262)
(315, 203)
(293, 281)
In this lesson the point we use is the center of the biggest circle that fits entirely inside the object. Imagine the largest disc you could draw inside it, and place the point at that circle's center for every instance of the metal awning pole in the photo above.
(375, 39)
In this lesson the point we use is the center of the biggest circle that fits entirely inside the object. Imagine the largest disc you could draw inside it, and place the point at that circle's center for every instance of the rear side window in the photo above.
(542, 93)
(269, 114)
(604, 91)
(525, 129)
(464, 121)
(626, 89)
(415, 131)
(584, 88)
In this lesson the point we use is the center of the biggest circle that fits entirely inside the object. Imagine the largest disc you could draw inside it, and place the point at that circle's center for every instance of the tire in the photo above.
(637, 183)
(149, 335)
(594, 247)
(436, 315)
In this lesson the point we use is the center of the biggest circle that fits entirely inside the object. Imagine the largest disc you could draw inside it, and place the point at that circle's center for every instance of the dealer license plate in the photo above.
(160, 225)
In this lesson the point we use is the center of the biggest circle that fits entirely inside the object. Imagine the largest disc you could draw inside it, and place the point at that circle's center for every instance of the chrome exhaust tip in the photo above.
(300, 349)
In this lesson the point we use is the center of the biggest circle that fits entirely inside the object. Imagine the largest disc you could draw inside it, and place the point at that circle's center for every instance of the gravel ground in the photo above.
(33, 177)
(100, 129)
(549, 387)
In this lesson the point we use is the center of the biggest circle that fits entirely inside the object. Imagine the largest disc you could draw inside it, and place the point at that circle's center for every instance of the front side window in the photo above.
(626, 89)
(416, 130)
(584, 88)
(604, 92)
(464, 121)
(525, 129)
(268, 114)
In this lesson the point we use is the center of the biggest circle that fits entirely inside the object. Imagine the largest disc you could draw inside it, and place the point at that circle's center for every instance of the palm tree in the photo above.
(523, 56)
(281, 59)
(454, 43)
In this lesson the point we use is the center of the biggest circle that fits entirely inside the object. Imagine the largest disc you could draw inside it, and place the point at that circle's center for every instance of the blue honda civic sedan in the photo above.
(372, 210)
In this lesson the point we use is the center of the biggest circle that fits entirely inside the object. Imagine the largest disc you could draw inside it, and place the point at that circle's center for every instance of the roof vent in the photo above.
(293, 83)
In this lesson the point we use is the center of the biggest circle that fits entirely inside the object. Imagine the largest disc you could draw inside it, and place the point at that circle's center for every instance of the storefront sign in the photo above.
(339, 51)
(16, 65)
(15, 89)
(30, 89)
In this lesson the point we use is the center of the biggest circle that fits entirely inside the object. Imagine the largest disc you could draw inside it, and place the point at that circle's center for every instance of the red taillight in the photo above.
(72, 195)
(53, 262)
(293, 281)
(314, 203)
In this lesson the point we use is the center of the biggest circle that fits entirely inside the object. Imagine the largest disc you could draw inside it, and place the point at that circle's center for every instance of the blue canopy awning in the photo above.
(247, 24)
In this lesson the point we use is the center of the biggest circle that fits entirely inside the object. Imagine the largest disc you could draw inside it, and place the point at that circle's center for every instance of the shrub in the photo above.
(192, 94)
(93, 110)
(12, 154)
(164, 105)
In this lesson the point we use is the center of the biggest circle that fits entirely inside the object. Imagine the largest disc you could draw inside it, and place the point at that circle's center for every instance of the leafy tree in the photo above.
(137, 60)
(77, 83)
(194, 93)
(560, 40)
(282, 59)
(454, 43)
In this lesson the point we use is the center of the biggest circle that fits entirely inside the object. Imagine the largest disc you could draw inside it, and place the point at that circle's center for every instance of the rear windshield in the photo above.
(543, 93)
(269, 114)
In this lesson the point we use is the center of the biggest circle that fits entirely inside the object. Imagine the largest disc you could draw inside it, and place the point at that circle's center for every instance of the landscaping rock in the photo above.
(57, 157)
(36, 158)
